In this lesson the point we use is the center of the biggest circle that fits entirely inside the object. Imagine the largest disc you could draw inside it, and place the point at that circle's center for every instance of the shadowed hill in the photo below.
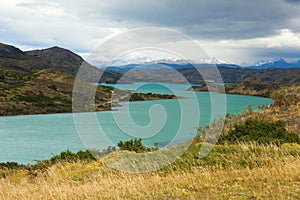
(52, 58)
(55, 57)
(35, 60)
(8, 51)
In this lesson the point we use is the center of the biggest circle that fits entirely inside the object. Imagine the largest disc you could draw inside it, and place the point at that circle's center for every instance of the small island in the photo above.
(209, 86)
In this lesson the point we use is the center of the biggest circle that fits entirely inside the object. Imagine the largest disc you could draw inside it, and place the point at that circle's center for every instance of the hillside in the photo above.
(41, 81)
(55, 57)
(50, 91)
(285, 107)
(8, 51)
(251, 86)
(51, 58)
(162, 75)
(207, 87)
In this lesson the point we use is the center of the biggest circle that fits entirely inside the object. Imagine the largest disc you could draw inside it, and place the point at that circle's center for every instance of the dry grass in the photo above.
(278, 182)
(281, 180)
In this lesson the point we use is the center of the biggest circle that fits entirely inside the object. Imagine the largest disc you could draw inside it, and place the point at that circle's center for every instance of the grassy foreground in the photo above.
(244, 171)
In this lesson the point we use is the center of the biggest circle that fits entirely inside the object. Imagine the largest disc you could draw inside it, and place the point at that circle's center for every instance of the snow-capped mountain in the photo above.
(210, 61)
(275, 63)
(149, 60)
(147, 63)
(262, 62)
(132, 60)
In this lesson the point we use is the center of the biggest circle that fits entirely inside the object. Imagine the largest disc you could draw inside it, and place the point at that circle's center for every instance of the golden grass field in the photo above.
(227, 173)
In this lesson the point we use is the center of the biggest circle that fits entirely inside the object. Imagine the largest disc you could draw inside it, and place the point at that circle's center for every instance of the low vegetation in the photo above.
(256, 150)
(260, 131)
(229, 171)
(135, 145)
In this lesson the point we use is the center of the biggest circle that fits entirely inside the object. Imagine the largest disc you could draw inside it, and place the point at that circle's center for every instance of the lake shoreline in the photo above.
(42, 135)
(119, 105)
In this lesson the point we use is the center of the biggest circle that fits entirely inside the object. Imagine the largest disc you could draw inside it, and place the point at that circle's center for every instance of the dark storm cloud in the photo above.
(292, 1)
(252, 26)
(206, 18)
(286, 53)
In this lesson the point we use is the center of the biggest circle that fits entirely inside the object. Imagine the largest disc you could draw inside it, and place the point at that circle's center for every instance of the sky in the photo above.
(236, 31)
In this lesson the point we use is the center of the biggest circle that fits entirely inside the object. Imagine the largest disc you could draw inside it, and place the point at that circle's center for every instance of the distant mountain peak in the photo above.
(56, 48)
(34, 60)
(274, 63)
(261, 62)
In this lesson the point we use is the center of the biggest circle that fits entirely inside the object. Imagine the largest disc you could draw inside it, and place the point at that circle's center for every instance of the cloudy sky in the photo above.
(232, 30)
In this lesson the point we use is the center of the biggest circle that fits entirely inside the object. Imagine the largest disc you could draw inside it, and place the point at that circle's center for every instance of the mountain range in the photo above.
(12, 58)
(148, 65)
(275, 63)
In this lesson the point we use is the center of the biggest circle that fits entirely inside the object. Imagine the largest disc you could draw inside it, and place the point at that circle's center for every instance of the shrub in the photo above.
(11, 165)
(69, 156)
(135, 145)
(98, 154)
(261, 132)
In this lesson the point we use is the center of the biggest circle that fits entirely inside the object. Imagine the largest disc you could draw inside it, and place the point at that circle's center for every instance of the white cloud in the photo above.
(41, 25)
(242, 50)
(285, 38)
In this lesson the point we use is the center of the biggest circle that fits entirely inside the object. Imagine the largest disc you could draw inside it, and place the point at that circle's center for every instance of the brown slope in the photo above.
(52, 58)
(251, 86)
(55, 57)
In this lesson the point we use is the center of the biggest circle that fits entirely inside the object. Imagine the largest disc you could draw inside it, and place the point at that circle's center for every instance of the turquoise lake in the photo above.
(25, 139)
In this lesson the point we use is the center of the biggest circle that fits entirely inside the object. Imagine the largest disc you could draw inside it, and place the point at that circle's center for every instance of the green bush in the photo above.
(134, 145)
(260, 132)
(11, 165)
(69, 156)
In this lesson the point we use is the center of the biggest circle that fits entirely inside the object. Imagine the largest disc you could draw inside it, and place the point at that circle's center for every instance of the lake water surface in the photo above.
(28, 138)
